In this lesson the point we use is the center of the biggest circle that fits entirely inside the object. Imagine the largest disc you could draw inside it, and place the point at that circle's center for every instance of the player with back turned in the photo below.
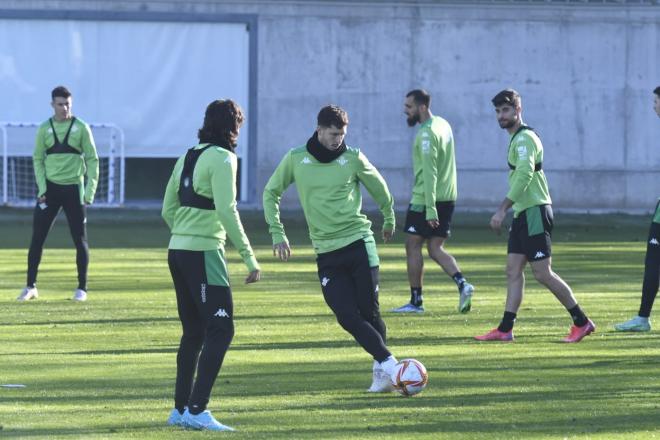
(199, 207)
(530, 233)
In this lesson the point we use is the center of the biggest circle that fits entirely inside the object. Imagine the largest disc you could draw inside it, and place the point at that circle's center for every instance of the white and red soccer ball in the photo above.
(410, 377)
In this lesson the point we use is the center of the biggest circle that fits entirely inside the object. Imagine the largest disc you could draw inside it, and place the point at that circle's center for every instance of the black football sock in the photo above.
(506, 325)
(578, 316)
(416, 298)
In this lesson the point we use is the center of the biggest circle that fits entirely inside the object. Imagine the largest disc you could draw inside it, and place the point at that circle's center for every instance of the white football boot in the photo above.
(28, 293)
(382, 379)
(203, 421)
(79, 295)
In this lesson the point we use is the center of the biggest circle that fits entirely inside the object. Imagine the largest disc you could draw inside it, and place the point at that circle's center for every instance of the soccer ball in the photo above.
(410, 377)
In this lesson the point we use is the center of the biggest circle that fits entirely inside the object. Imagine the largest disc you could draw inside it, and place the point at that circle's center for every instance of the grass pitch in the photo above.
(105, 368)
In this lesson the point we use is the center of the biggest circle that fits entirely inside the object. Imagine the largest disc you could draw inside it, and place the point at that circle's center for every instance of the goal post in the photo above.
(18, 183)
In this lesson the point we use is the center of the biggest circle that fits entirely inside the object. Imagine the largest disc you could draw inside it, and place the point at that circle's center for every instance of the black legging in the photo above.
(651, 271)
(206, 313)
(350, 288)
(58, 197)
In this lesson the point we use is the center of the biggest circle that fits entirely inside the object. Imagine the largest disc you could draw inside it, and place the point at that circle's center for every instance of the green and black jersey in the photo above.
(330, 197)
(527, 183)
(196, 229)
(66, 169)
(434, 165)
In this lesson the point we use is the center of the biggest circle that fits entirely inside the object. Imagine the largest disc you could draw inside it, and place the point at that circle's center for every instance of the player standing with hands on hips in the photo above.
(328, 175)
(64, 154)
(199, 207)
(529, 236)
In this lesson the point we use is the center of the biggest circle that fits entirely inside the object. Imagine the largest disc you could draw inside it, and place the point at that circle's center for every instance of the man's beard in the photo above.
(507, 124)
(412, 120)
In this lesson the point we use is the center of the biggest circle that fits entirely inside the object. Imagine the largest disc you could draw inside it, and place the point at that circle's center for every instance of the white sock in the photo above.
(642, 318)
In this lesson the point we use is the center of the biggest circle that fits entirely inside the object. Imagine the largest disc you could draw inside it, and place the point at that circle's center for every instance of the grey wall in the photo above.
(585, 72)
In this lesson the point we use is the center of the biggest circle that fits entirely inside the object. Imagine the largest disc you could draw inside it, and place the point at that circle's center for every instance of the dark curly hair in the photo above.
(222, 120)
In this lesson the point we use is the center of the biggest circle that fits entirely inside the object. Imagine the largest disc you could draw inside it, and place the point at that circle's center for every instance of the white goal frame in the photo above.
(111, 156)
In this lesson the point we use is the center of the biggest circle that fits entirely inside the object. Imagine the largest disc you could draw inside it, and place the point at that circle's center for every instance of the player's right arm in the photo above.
(278, 183)
(39, 161)
(171, 199)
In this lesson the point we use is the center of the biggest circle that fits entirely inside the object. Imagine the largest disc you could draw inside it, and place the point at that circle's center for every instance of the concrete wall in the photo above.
(585, 72)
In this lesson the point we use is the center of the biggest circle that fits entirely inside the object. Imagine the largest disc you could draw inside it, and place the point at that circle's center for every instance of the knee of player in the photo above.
(542, 274)
(349, 321)
(513, 272)
(220, 329)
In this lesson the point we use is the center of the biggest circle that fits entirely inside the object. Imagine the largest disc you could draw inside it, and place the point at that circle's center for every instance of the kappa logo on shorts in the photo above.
(203, 292)
(325, 281)
(654, 241)
(412, 229)
(221, 313)
(538, 255)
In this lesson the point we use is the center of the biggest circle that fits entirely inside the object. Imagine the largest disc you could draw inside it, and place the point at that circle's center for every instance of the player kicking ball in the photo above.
(641, 322)
(529, 236)
(328, 174)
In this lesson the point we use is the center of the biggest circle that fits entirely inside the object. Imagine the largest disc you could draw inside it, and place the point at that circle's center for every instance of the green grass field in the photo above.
(105, 368)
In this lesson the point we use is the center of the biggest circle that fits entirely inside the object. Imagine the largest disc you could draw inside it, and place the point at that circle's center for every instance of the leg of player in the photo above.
(641, 322)
(190, 343)
(515, 275)
(217, 313)
(448, 263)
(42, 222)
(415, 266)
(340, 272)
(582, 326)
(76, 216)
(212, 318)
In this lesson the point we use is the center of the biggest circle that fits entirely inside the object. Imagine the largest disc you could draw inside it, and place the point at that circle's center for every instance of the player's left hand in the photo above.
(253, 277)
(433, 223)
(387, 235)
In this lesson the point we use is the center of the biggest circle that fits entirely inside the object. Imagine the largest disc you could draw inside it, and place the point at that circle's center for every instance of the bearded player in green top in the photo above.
(328, 175)
(432, 204)
(529, 236)
(64, 154)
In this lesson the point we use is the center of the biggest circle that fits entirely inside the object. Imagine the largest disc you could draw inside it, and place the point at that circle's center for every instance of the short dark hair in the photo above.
(420, 96)
(222, 120)
(657, 91)
(507, 96)
(332, 115)
(60, 91)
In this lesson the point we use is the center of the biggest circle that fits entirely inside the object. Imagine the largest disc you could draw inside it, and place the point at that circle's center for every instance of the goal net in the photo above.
(17, 174)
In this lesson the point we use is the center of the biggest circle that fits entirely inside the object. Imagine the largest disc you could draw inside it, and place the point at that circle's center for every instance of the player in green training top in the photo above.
(64, 154)
(200, 209)
(328, 175)
(641, 322)
(432, 204)
(529, 236)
